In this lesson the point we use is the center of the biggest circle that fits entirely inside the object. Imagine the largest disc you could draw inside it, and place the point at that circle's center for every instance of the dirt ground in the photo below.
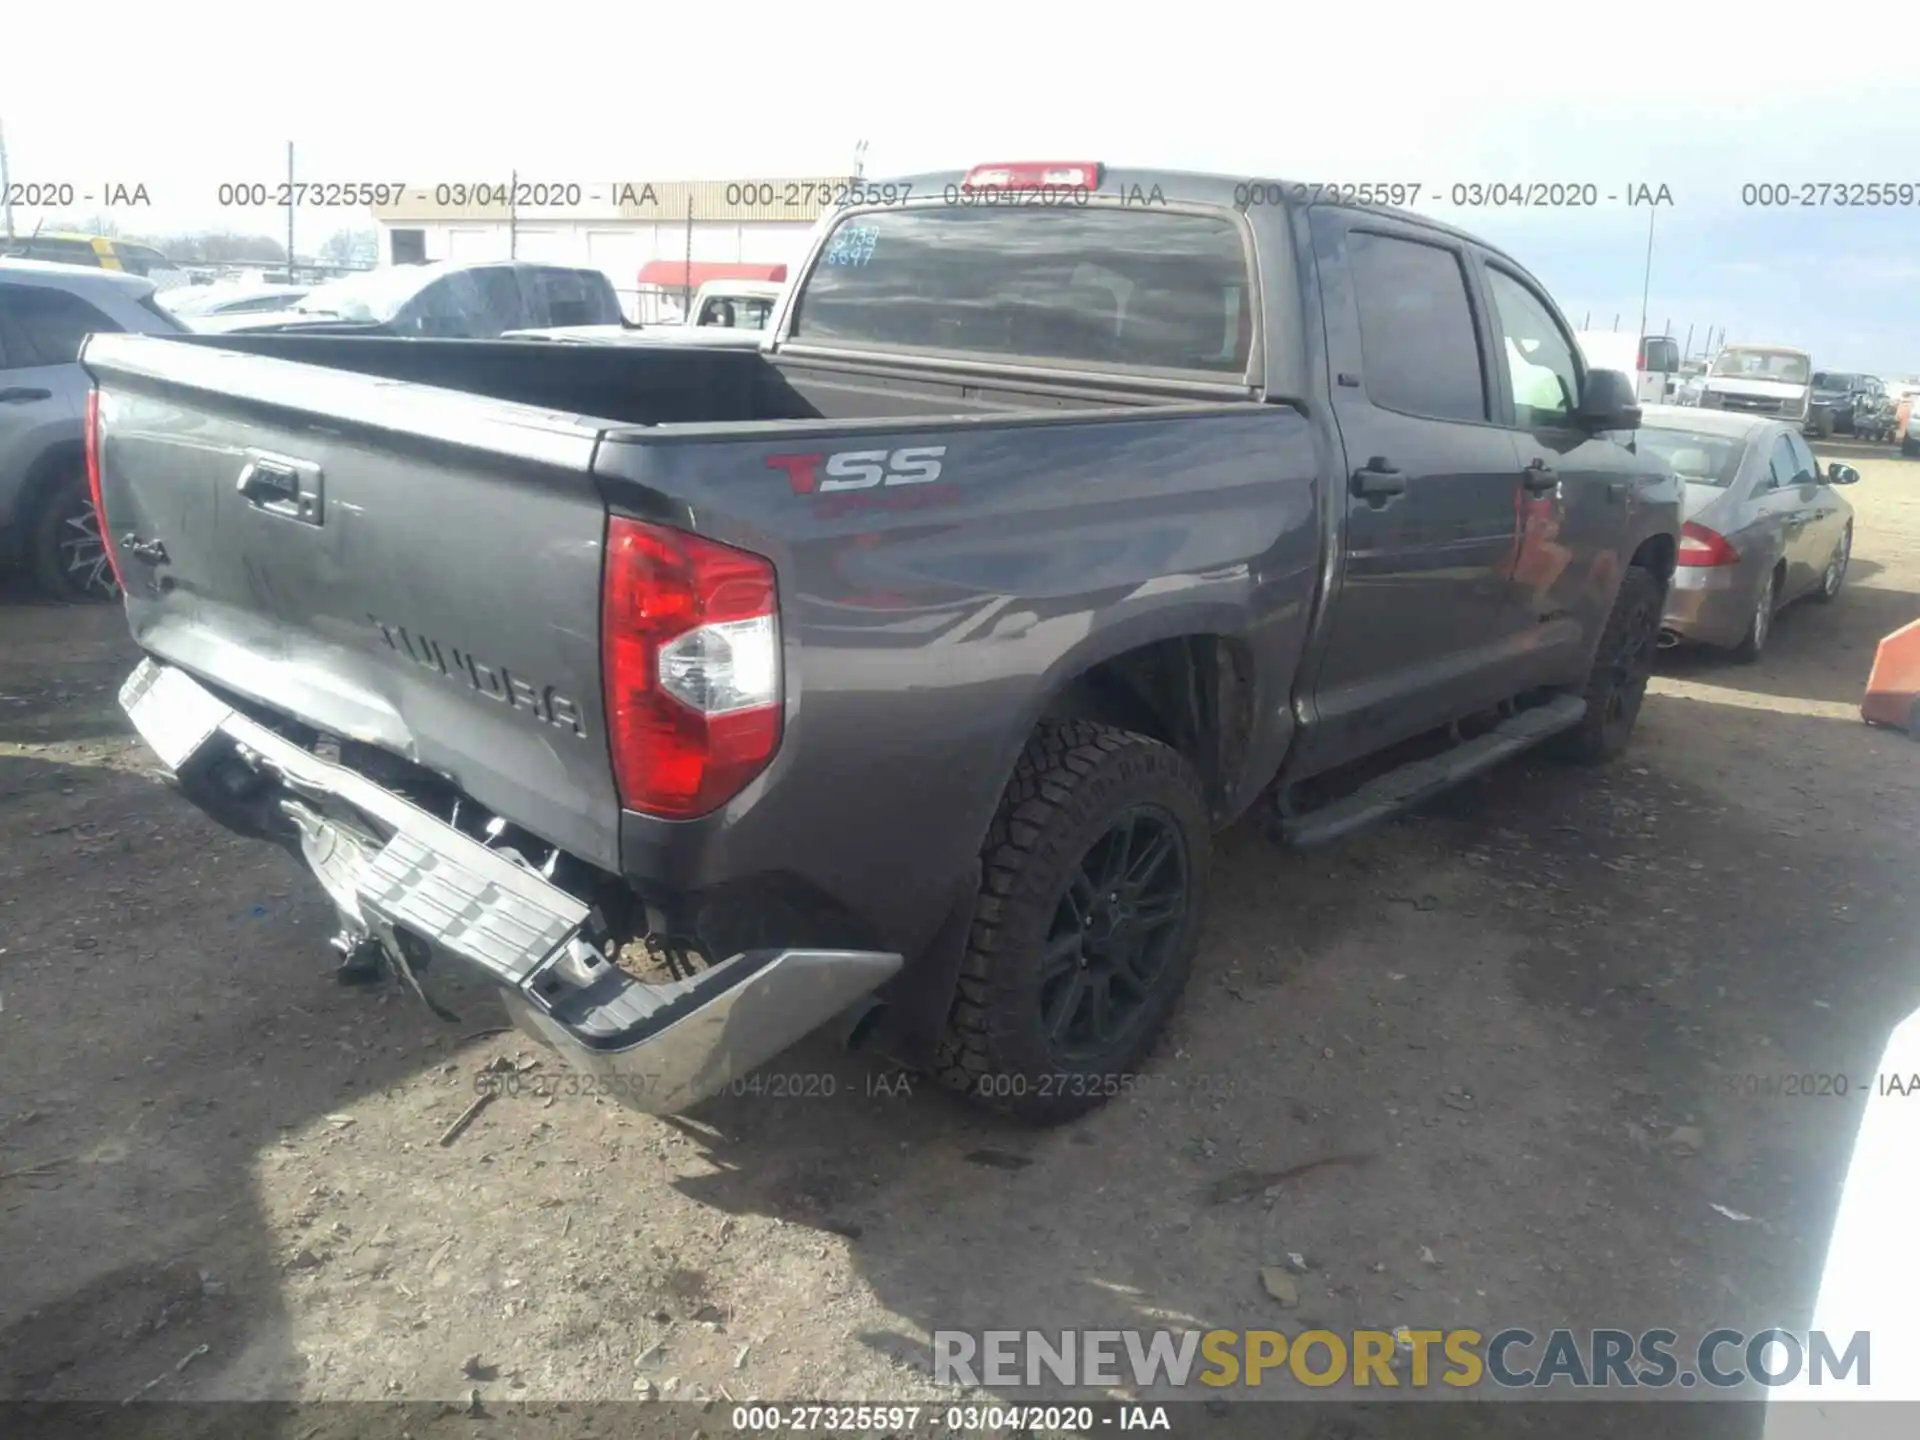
(1506, 1004)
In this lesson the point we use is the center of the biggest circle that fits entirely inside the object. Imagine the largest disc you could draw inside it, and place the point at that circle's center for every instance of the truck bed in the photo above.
(399, 542)
(666, 384)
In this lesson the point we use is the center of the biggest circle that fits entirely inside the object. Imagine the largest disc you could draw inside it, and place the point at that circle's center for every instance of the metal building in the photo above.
(652, 238)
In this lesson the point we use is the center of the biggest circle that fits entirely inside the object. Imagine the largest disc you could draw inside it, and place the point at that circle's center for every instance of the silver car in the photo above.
(47, 524)
(1763, 525)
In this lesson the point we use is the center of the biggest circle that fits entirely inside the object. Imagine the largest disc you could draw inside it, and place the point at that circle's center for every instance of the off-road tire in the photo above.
(1074, 781)
(1622, 665)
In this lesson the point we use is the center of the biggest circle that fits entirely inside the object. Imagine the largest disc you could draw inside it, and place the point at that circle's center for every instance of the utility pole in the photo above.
(686, 275)
(1646, 281)
(860, 160)
(290, 207)
(1687, 354)
(6, 190)
(513, 216)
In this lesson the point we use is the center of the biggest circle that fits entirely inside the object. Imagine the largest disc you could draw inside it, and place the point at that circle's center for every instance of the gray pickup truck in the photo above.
(896, 675)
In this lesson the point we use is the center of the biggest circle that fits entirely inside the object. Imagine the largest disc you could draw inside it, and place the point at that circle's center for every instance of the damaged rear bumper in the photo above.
(422, 889)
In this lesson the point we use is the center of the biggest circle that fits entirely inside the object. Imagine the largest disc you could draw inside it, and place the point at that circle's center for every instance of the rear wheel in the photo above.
(1622, 665)
(1760, 625)
(1836, 572)
(64, 547)
(1086, 924)
(1823, 424)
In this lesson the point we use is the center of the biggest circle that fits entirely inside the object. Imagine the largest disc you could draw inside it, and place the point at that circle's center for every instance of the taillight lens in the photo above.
(690, 642)
(93, 483)
(1701, 546)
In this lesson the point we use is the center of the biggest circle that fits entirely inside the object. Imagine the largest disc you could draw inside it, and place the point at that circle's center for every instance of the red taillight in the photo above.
(1035, 175)
(1701, 546)
(93, 483)
(690, 645)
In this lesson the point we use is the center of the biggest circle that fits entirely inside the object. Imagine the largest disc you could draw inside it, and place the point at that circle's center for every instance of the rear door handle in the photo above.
(1378, 481)
(22, 394)
(1539, 477)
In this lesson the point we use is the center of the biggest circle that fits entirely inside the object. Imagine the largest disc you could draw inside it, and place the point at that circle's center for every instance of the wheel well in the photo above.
(1193, 693)
(55, 464)
(1657, 553)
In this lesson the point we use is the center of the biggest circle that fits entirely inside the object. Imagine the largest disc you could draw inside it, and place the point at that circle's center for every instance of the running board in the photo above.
(1417, 780)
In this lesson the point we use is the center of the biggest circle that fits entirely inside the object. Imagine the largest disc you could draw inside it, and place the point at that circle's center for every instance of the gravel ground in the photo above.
(1522, 1016)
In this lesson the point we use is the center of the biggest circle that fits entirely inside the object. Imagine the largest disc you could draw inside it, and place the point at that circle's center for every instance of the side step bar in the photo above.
(1419, 780)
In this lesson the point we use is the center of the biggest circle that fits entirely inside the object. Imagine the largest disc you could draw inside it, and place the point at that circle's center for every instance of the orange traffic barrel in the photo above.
(1894, 686)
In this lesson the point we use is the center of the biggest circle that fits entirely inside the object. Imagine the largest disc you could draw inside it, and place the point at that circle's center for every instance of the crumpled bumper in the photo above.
(421, 889)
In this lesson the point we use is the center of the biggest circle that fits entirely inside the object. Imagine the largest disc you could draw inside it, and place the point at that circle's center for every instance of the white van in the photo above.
(1651, 362)
(1774, 380)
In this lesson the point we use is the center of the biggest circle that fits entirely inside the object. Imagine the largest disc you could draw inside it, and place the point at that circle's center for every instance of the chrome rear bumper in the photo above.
(406, 879)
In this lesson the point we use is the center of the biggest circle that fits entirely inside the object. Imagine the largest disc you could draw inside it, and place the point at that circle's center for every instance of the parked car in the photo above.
(194, 302)
(1651, 362)
(1690, 382)
(1761, 380)
(449, 299)
(1904, 395)
(1875, 414)
(1764, 525)
(747, 304)
(99, 252)
(900, 670)
(1840, 397)
(47, 521)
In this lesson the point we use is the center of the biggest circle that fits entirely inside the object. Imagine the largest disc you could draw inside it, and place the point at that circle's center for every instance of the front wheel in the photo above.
(1085, 927)
(64, 546)
(1622, 665)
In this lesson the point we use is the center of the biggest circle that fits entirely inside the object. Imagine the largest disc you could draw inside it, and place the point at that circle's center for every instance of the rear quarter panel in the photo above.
(927, 625)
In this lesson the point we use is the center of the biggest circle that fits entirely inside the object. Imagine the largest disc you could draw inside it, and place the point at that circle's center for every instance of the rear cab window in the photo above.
(575, 297)
(1084, 286)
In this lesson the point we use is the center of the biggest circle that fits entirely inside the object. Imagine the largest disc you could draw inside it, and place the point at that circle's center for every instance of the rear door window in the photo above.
(47, 326)
(500, 306)
(1806, 470)
(1083, 285)
(1416, 328)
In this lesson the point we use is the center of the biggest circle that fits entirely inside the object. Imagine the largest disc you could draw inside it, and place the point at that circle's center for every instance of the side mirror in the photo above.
(1607, 402)
(1838, 474)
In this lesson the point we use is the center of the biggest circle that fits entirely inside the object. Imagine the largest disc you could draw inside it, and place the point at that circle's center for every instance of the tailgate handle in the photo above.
(282, 487)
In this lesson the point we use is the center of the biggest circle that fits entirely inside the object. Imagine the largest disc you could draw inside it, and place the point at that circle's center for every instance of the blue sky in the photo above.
(568, 91)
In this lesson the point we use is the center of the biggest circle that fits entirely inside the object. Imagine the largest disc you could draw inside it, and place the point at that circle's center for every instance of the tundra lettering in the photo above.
(545, 703)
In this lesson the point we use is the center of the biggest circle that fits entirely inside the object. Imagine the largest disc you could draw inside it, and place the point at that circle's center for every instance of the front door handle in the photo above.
(1378, 481)
(1539, 477)
(23, 394)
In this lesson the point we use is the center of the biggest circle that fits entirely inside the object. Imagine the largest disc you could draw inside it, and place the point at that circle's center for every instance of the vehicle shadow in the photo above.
(153, 969)
(1816, 652)
(1493, 1017)
(64, 667)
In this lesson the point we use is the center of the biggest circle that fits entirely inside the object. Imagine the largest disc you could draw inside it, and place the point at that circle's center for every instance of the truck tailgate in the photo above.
(405, 566)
